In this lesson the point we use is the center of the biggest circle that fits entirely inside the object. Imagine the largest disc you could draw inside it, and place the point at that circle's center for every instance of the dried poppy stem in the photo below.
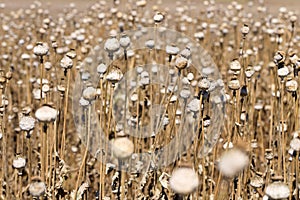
(28, 85)
(271, 122)
(83, 163)
(4, 153)
(43, 155)
(291, 37)
(216, 192)
(110, 108)
(297, 113)
(297, 175)
(41, 77)
(106, 135)
(54, 159)
(16, 184)
(122, 186)
(50, 150)
(63, 139)
(283, 143)
(29, 155)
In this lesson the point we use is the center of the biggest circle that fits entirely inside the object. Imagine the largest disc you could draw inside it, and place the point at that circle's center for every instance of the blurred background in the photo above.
(58, 5)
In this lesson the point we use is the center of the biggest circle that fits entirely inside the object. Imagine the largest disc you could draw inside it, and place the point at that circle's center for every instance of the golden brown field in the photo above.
(149, 100)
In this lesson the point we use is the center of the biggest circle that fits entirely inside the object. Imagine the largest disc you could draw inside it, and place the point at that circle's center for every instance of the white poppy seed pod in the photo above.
(61, 50)
(45, 88)
(71, 54)
(282, 9)
(54, 44)
(66, 63)
(130, 53)
(199, 35)
(42, 31)
(185, 93)
(279, 57)
(101, 16)
(122, 148)
(186, 53)
(190, 76)
(27, 123)
(254, 144)
(83, 102)
(154, 69)
(19, 163)
(257, 68)
(37, 189)
(114, 76)
(257, 181)
(185, 81)
(101, 69)
(134, 97)
(41, 49)
(184, 180)
(234, 84)
(181, 62)
(29, 47)
(243, 116)
(158, 17)
(80, 37)
(280, 31)
(172, 49)
(204, 84)
(283, 72)
(85, 75)
(235, 65)
(293, 19)
(111, 45)
(37, 94)
(206, 121)
(278, 190)
(165, 121)
(245, 29)
(233, 162)
(139, 69)
(291, 151)
(173, 98)
(84, 50)
(258, 106)
(172, 88)
(294, 58)
(125, 41)
(145, 81)
(249, 72)
(141, 3)
(265, 197)
(25, 56)
(46, 114)
(47, 65)
(144, 74)
(296, 134)
(295, 144)
(194, 105)
(291, 86)
(150, 44)
(89, 93)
